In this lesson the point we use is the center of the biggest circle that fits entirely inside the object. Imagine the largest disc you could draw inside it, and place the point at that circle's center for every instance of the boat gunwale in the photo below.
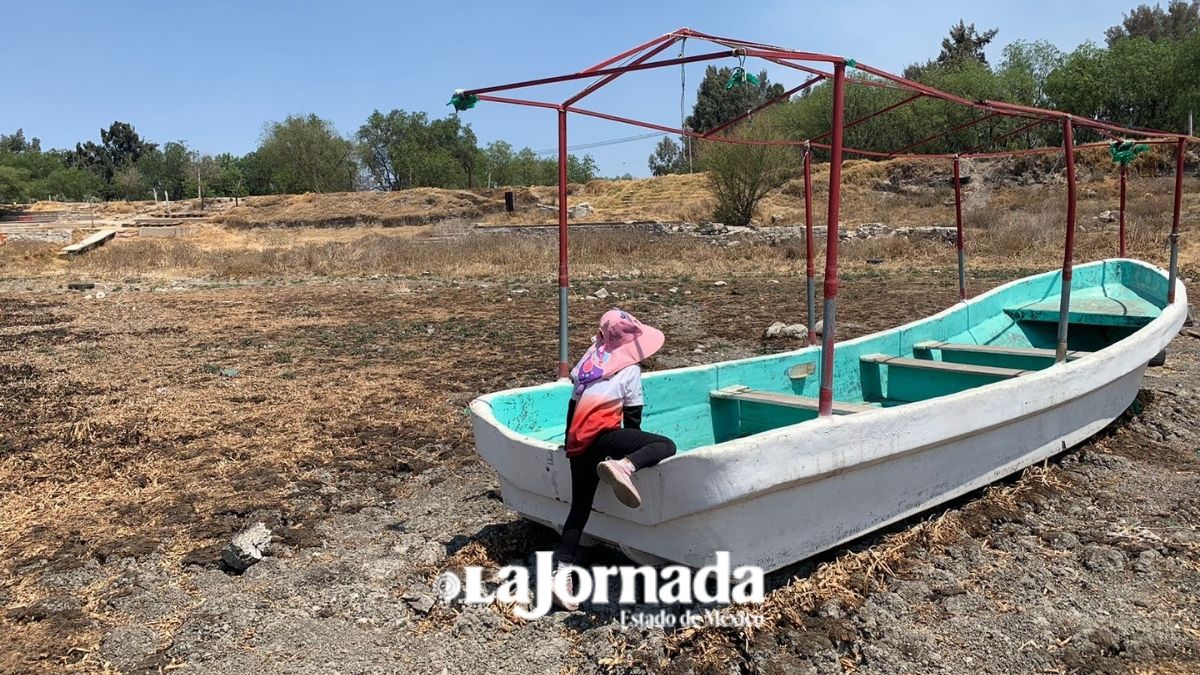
(707, 461)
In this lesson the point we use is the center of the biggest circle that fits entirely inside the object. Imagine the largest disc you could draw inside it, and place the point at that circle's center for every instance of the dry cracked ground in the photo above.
(141, 429)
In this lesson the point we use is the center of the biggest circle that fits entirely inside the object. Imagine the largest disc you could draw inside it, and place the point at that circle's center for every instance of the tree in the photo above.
(741, 175)
(1025, 69)
(580, 170)
(303, 154)
(166, 170)
(1180, 20)
(120, 148)
(668, 157)
(16, 143)
(401, 150)
(717, 103)
(14, 184)
(72, 184)
(1135, 82)
(965, 44)
(128, 183)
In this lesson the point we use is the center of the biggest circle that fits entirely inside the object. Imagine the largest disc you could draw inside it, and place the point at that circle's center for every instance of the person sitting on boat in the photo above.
(604, 418)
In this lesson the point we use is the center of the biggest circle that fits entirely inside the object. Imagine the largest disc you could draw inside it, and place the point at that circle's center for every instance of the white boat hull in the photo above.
(780, 496)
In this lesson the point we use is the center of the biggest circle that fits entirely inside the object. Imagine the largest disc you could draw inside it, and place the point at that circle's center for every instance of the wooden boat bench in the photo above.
(741, 393)
(919, 379)
(1091, 309)
(1020, 358)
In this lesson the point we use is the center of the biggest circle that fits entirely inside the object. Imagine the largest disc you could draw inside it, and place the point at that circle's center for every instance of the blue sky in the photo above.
(213, 73)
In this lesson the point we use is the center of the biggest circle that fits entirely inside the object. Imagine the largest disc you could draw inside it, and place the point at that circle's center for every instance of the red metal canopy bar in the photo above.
(877, 113)
(940, 134)
(609, 78)
(1005, 137)
(710, 56)
(850, 80)
(782, 97)
(1078, 121)
(667, 38)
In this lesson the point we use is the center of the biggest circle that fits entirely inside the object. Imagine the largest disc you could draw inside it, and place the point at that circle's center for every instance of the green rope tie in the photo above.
(462, 101)
(740, 75)
(851, 63)
(1124, 152)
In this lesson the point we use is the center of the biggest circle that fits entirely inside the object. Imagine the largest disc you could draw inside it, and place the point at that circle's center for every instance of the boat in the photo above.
(922, 413)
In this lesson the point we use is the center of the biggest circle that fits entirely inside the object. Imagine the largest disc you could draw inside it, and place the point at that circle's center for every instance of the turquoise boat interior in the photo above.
(1002, 334)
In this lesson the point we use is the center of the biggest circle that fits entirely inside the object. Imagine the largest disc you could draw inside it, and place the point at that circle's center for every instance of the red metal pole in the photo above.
(958, 224)
(1179, 155)
(829, 317)
(1064, 303)
(809, 263)
(1124, 173)
(564, 368)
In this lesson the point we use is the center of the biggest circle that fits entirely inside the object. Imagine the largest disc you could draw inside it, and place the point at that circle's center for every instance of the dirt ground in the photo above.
(147, 420)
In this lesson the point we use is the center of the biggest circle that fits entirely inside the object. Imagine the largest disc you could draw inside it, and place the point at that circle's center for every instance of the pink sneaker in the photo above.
(568, 585)
(619, 474)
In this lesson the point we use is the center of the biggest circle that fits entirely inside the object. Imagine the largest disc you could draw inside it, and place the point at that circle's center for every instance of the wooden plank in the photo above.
(748, 395)
(995, 349)
(88, 244)
(942, 366)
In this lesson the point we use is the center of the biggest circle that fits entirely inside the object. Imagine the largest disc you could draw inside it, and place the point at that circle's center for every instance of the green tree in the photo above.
(717, 103)
(67, 183)
(303, 154)
(14, 184)
(401, 150)
(741, 175)
(669, 157)
(1180, 20)
(166, 170)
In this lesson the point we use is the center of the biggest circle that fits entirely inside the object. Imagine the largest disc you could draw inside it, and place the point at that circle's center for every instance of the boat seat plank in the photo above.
(996, 350)
(1091, 307)
(942, 366)
(748, 395)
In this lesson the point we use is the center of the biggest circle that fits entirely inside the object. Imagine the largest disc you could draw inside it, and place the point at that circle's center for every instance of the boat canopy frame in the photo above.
(829, 68)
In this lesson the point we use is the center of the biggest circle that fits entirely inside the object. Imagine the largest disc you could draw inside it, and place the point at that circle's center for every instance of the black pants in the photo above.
(639, 447)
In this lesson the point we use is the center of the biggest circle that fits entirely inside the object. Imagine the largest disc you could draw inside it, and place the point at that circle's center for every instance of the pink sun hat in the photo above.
(621, 341)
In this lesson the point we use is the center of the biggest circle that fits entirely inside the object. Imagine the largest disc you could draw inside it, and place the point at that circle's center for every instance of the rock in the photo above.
(673, 290)
(719, 283)
(419, 601)
(1063, 541)
(1102, 558)
(795, 330)
(601, 294)
(772, 281)
(819, 326)
(1107, 216)
(1147, 561)
(871, 230)
(247, 547)
(774, 330)
(580, 210)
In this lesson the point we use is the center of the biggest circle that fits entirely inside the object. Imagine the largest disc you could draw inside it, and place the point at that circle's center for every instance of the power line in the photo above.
(599, 144)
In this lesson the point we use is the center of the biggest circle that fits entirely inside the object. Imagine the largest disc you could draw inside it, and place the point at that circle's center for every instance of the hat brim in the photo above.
(640, 348)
